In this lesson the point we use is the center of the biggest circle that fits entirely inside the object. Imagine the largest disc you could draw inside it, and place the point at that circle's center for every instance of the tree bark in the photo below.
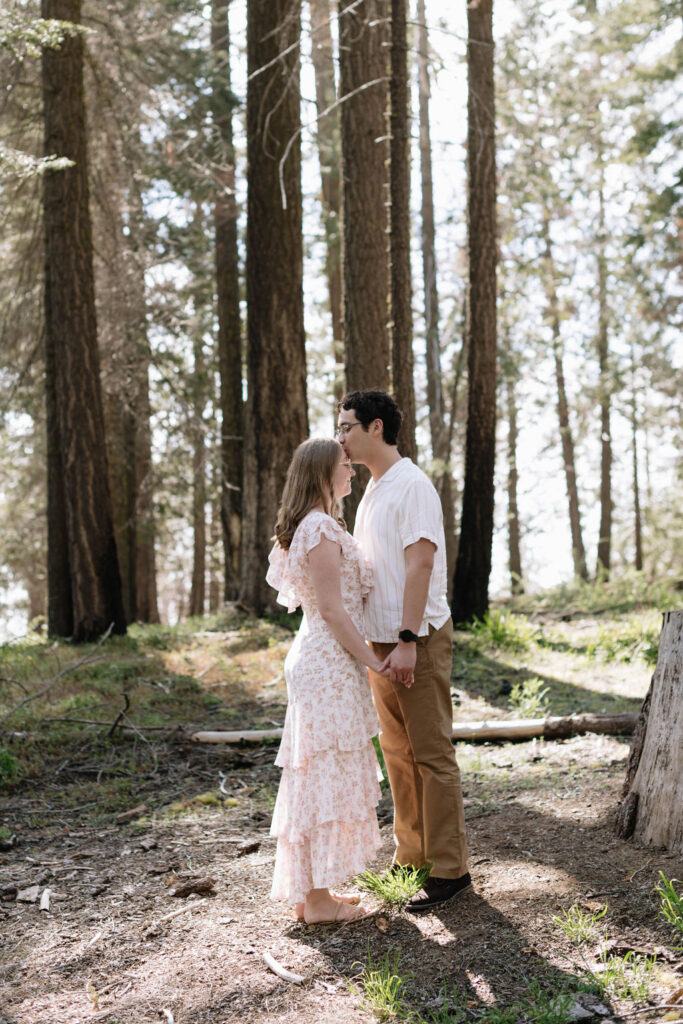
(437, 419)
(566, 439)
(123, 341)
(651, 809)
(198, 587)
(329, 156)
(473, 565)
(605, 391)
(363, 59)
(72, 356)
(277, 418)
(514, 550)
(637, 517)
(399, 231)
(227, 304)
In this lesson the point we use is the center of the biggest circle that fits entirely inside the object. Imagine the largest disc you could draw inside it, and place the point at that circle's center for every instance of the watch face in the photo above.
(407, 636)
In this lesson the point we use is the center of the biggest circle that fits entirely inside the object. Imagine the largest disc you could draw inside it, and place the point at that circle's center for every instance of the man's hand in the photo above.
(401, 664)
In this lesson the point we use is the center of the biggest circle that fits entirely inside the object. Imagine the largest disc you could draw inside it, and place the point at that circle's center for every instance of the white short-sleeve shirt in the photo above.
(398, 510)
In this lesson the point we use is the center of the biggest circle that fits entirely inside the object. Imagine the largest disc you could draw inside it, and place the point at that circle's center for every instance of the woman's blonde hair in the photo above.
(310, 482)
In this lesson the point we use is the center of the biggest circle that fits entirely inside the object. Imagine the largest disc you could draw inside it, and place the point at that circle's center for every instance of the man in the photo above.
(399, 526)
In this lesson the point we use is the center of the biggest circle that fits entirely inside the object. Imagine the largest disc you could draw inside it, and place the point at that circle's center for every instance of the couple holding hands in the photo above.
(386, 585)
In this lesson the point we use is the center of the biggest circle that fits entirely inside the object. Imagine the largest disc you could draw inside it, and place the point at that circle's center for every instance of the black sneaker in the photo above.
(436, 891)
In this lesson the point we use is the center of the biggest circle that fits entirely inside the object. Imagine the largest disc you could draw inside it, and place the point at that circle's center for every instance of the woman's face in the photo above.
(343, 473)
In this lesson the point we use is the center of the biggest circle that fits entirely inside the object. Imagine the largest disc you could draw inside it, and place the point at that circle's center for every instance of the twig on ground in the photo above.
(121, 714)
(282, 972)
(638, 870)
(169, 1016)
(647, 1009)
(150, 929)
(87, 660)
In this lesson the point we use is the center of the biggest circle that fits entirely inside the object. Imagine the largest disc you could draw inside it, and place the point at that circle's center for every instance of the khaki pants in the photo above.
(416, 724)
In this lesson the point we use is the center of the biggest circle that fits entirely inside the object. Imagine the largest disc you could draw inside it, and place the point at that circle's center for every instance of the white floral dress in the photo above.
(324, 816)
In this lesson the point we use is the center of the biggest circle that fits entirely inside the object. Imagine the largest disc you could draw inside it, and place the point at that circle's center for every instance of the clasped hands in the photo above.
(399, 666)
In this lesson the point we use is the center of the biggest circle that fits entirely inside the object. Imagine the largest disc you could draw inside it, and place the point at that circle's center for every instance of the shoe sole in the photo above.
(423, 908)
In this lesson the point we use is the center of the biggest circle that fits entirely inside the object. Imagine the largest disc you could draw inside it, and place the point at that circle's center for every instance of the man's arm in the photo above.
(419, 564)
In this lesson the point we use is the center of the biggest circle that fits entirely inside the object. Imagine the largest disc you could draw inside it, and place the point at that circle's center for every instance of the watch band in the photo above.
(407, 636)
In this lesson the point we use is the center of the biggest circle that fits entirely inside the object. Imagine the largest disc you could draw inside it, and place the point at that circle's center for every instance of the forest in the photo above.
(515, 267)
(218, 217)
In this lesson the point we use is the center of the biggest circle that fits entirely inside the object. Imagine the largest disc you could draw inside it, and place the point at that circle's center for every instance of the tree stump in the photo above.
(651, 808)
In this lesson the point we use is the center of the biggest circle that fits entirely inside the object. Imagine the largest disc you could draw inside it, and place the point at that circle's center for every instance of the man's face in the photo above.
(351, 435)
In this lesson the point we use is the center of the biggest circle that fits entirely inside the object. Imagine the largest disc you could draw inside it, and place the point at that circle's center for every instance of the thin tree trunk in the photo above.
(567, 442)
(277, 419)
(329, 155)
(605, 390)
(72, 357)
(514, 550)
(438, 425)
(637, 519)
(437, 420)
(197, 590)
(215, 531)
(473, 565)
(227, 306)
(399, 231)
(60, 620)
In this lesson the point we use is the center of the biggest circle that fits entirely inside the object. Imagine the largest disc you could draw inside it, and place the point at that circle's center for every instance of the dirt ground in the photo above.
(110, 948)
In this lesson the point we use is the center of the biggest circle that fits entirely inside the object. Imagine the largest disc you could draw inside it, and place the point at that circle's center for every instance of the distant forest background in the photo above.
(217, 217)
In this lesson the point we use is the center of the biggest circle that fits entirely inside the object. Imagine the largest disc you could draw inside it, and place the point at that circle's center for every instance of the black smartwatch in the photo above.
(407, 636)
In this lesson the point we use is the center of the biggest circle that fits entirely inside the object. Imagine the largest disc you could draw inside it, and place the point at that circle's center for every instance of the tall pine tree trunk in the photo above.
(72, 357)
(363, 35)
(227, 306)
(329, 155)
(399, 232)
(566, 440)
(438, 425)
(605, 392)
(514, 549)
(277, 418)
(473, 565)
(637, 516)
(197, 590)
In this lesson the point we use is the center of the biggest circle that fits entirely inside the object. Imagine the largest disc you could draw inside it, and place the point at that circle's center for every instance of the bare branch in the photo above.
(87, 660)
(323, 113)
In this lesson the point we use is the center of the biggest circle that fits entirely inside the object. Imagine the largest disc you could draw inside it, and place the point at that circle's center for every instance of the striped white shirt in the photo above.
(398, 510)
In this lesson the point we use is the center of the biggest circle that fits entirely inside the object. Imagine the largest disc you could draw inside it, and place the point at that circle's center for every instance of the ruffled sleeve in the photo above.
(280, 578)
(313, 528)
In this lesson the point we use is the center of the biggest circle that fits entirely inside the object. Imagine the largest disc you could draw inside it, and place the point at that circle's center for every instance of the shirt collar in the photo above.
(390, 474)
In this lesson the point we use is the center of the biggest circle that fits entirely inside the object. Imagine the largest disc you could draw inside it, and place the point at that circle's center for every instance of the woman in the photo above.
(324, 816)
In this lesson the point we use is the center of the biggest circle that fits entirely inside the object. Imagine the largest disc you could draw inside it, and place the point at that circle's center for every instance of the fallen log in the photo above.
(552, 728)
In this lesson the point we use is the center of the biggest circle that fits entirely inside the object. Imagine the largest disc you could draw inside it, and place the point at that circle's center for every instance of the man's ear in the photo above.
(377, 428)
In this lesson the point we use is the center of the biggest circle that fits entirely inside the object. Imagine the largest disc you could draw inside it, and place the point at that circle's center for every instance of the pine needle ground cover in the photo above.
(562, 913)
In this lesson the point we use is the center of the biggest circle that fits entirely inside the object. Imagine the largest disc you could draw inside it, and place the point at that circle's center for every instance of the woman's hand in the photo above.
(380, 669)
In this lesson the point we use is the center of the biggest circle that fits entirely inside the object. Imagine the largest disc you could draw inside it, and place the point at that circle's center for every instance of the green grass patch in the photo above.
(626, 977)
(624, 593)
(579, 925)
(502, 630)
(529, 698)
(671, 906)
(382, 988)
(393, 887)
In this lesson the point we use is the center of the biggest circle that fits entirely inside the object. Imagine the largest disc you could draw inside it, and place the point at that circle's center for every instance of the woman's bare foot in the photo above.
(322, 907)
(353, 901)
